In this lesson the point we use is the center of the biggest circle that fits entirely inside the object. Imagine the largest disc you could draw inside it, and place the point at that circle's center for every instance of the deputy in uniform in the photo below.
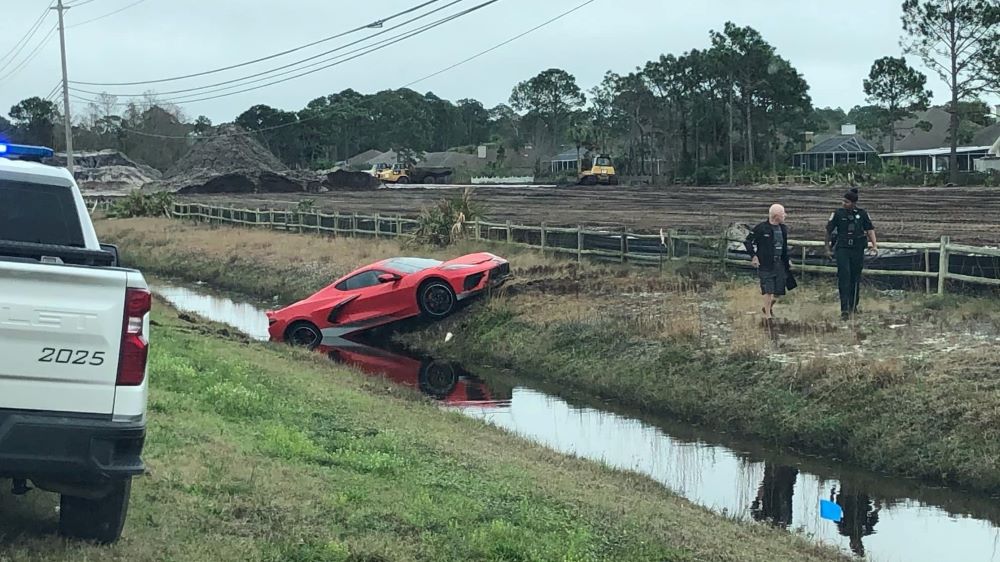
(848, 233)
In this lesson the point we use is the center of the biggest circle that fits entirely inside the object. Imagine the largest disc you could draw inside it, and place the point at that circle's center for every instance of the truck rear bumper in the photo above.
(69, 448)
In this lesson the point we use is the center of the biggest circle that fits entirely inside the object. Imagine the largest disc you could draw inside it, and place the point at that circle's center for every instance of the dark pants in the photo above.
(850, 262)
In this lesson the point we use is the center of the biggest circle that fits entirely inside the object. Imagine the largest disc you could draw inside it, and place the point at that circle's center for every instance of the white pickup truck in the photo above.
(73, 345)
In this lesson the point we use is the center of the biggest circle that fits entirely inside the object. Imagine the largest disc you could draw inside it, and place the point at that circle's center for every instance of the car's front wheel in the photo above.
(99, 520)
(436, 299)
(304, 334)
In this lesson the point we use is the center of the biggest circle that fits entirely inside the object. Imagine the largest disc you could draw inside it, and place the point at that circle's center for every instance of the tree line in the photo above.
(736, 107)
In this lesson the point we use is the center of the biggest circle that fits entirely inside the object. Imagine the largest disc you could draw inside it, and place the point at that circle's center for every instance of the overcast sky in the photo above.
(831, 44)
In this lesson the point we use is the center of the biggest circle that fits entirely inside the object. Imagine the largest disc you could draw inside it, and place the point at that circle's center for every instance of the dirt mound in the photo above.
(107, 172)
(229, 150)
(232, 161)
(344, 180)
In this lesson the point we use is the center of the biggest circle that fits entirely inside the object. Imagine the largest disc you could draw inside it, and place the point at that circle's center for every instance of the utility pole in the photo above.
(730, 135)
(68, 119)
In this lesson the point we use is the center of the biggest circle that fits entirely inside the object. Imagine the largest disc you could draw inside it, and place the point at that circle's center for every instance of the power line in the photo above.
(377, 23)
(321, 115)
(12, 54)
(81, 3)
(108, 15)
(365, 51)
(385, 44)
(503, 44)
(273, 70)
(31, 56)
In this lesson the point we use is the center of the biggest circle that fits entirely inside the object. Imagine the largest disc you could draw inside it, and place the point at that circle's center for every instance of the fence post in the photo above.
(510, 233)
(377, 226)
(270, 216)
(543, 238)
(319, 224)
(802, 265)
(336, 223)
(624, 244)
(943, 265)
(399, 226)
(354, 224)
(479, 231)
(579, 244)
(672, 248)
(927, 269)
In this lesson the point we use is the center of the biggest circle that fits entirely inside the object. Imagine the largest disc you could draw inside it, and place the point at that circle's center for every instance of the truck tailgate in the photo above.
(60, 334)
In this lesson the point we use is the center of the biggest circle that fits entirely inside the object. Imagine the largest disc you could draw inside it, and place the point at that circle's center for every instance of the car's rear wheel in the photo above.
(99, 520)
(436, 299)
(438, 379)
(304, 334)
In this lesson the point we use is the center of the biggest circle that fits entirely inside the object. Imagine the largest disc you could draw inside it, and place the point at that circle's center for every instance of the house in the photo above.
(935, 160)
(566, 160)
(845, 148)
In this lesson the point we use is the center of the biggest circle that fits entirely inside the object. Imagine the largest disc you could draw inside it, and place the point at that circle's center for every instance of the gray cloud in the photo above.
(832, 45)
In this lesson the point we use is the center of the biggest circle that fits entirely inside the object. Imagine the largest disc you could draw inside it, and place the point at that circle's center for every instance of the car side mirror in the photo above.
(113, 250)
(388, 278)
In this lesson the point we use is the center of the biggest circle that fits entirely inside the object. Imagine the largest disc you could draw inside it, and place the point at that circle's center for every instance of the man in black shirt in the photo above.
(850, 231)
(767, 245)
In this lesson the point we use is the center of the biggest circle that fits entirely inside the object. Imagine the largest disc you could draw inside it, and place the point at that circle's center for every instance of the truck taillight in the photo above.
(135, 345)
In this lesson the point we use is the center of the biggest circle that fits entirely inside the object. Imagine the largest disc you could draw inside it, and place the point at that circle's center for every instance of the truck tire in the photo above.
(403, 179)
(100, 520)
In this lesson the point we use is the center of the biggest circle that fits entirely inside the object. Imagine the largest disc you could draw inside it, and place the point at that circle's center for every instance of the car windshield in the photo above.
(603, 161)
(410, 265)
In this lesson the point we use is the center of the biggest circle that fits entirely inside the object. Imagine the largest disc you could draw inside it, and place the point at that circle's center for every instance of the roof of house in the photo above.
(936, 151)
(363, 158)
(841, 144)
(988, 135)
(568, 154)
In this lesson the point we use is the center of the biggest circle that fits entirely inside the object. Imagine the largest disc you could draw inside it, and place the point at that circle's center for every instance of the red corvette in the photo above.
(385, 292)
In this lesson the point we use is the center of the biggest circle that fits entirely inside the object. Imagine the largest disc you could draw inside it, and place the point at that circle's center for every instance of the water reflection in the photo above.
(774, 495)
(860, 516)
(444, 381)
(742, 478)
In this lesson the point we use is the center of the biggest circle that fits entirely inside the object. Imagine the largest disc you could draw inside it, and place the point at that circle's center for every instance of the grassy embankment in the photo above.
(912, 388)
(265, 453)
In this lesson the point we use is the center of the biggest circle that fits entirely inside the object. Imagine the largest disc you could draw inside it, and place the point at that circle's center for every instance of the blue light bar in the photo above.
(24, 151)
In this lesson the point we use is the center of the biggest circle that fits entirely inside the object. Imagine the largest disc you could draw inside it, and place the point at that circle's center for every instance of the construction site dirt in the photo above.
(904, 214)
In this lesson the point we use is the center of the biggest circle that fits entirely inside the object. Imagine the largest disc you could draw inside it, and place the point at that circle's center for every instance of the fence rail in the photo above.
(937, 262)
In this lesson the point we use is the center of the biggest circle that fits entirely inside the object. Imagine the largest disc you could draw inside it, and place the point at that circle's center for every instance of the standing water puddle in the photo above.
(885, 519)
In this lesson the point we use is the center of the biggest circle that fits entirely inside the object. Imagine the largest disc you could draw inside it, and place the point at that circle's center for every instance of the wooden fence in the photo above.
(933, 262)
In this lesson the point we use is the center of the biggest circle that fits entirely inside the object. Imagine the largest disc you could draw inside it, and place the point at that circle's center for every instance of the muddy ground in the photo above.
(968, 215)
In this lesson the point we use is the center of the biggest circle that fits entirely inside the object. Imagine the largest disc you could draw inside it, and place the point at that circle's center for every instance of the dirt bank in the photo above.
(912, 388)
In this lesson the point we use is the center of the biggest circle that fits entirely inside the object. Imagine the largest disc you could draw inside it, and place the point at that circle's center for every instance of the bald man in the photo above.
(767, 245)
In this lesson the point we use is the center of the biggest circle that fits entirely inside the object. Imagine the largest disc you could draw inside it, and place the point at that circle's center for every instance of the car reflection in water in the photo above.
(443, 381)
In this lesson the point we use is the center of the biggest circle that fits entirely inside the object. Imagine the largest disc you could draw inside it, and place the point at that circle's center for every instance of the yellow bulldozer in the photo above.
(600, 170)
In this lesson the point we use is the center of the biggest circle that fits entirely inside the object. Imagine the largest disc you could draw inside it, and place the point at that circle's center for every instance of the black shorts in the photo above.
(772, 281)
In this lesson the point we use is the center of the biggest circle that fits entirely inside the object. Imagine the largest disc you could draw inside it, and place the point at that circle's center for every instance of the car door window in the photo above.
(360, 281)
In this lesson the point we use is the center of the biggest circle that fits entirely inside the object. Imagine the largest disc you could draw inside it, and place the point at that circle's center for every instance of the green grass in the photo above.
(263, 453)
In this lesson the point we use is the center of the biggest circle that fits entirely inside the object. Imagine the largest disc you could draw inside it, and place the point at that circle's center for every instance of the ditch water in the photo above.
(884, 519)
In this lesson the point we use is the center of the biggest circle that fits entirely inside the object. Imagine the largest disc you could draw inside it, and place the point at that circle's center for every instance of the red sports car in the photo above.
(385, 292)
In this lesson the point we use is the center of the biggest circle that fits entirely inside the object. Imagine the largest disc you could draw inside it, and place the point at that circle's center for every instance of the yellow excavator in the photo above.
(600, 171)
(416, 174)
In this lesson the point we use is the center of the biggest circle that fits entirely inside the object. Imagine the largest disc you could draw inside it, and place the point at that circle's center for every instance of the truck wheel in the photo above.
(403, 179)
(96, 520)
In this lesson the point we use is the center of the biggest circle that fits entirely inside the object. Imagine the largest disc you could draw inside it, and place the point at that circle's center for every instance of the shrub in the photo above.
(138, 204)
(445, 223)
